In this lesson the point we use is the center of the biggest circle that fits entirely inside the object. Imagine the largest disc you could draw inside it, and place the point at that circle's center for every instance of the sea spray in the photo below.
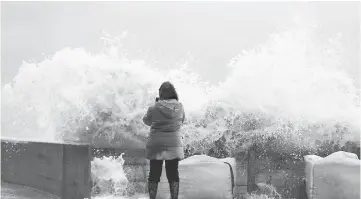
(288, 87)
(74, 95)
(108, 176)
(292, 87)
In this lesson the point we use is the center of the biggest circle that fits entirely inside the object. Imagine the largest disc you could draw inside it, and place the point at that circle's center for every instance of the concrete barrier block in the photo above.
(57, 168)
(76, 172)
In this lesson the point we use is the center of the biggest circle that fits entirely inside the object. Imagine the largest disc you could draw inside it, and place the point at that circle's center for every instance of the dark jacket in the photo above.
(165, 119)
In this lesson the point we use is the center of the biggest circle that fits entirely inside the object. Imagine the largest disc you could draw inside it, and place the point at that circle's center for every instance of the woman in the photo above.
(164, 143)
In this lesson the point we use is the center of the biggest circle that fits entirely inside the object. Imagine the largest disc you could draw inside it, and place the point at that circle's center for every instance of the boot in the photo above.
(174, 189)
(152, 189)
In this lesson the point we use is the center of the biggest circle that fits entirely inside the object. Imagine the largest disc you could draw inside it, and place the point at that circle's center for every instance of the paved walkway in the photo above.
(12, 191)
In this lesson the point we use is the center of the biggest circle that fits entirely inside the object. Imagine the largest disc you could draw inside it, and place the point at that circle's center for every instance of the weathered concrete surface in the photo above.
(60, 169)
(11, 191)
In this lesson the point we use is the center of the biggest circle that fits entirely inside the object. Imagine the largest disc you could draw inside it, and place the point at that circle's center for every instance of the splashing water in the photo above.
(291, 88)
(108, 175)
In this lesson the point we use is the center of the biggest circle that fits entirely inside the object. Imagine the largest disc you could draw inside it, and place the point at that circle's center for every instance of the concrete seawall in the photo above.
(60, 169)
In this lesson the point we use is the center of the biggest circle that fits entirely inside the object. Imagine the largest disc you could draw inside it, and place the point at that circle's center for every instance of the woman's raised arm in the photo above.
(147, 119)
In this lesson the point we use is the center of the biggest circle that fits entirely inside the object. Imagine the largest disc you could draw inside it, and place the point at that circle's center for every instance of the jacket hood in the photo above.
(170, 108)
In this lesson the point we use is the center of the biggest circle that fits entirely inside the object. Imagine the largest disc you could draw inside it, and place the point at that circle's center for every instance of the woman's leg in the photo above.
(154, 177)
(171, 167)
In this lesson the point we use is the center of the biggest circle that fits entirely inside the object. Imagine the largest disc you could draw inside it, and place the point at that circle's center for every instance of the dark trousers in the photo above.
(171, 168)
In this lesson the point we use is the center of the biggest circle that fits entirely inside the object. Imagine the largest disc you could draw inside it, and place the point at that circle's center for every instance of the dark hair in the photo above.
(167, 91)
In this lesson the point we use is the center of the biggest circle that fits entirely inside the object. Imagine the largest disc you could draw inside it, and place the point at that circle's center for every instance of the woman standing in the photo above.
(164, 143)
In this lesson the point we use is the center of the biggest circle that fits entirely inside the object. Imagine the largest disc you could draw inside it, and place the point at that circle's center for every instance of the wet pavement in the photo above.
(13, 191)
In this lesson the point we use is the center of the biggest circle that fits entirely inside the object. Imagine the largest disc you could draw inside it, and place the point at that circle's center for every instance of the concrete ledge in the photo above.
(61, 169)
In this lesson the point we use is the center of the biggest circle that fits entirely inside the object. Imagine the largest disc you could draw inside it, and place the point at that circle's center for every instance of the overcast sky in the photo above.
(207, 34)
